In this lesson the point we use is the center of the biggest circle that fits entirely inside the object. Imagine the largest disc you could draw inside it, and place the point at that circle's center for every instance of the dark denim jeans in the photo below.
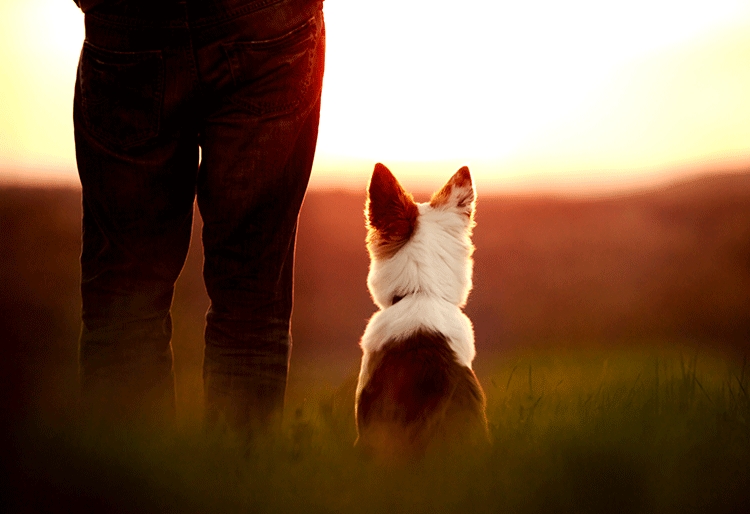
(157, 80)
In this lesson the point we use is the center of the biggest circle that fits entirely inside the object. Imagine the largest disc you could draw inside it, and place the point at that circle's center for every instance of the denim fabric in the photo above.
(241, 80)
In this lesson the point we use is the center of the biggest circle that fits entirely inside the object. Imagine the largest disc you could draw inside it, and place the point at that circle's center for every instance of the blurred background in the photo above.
(609, 141)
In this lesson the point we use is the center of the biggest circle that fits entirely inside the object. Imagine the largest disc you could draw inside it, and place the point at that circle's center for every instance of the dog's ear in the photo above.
(457, 194)
(391, 212)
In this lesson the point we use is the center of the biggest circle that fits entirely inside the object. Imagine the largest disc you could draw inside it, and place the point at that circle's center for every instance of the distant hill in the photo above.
(667, 265)
(670, 264)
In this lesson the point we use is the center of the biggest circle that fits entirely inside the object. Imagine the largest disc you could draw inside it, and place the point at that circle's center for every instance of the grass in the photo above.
(577, 431)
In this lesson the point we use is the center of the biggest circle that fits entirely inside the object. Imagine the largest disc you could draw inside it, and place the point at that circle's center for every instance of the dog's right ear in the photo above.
(457, 194)
(391, 212)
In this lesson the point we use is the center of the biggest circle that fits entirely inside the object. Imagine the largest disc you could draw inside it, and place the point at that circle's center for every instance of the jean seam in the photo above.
(236, 13)
(138, 24)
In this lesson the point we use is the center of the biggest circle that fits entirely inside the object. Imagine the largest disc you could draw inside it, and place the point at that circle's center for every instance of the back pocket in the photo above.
(273, 76)
(121, 95)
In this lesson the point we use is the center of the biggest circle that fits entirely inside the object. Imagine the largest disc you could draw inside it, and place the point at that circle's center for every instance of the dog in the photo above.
(416, 388)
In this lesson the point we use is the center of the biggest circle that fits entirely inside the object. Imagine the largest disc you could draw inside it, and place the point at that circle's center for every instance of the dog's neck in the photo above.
(397, 298)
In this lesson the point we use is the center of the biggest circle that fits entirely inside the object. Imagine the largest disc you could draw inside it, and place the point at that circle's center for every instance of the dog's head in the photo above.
(422, 248)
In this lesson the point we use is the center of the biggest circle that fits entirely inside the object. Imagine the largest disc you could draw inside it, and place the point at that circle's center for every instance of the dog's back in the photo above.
(416, 386)
(417, 397)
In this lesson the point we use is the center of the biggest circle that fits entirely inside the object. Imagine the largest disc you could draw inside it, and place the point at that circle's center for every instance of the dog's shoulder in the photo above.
(415, 314)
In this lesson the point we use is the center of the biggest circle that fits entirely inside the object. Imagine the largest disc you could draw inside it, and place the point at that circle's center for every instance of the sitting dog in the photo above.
(416, 388)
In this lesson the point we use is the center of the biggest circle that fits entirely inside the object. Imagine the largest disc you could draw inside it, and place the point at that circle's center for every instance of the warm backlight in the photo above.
(546, 94)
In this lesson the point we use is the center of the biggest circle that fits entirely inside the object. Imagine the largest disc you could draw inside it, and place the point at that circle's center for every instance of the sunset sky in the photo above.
(567, 96)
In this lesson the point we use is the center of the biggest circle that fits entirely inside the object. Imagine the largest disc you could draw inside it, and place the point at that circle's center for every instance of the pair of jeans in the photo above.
(178, 100)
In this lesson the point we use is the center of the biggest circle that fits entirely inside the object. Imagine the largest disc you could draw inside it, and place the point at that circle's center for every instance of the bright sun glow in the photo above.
(477, 80)
(40, 41)
(506, 85)
(530, 94)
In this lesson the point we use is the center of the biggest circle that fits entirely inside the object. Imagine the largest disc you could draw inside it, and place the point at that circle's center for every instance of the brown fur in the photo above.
(418, 397)
(461, 179)
(391, 214)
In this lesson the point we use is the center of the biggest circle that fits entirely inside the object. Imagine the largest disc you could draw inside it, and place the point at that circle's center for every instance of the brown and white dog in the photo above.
(416, 387)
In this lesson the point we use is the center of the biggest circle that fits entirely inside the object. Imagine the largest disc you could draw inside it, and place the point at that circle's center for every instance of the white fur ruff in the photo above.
(436, 261)
(415, 313)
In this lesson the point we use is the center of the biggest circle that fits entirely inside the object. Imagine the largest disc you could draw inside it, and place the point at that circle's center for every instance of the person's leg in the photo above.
(137, 161)
(258, 142)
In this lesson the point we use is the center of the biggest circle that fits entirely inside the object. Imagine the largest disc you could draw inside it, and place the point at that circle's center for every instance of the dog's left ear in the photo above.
(390, 211)
(457, 194)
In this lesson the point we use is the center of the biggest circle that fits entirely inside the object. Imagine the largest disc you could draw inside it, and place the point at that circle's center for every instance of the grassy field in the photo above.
(576, 431)
(611, 338)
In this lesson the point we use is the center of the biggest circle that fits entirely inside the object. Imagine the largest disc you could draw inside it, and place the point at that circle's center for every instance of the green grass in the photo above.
(578, 431)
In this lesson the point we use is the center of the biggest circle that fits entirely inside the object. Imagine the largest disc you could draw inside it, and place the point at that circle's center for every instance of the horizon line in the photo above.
(527, 185)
